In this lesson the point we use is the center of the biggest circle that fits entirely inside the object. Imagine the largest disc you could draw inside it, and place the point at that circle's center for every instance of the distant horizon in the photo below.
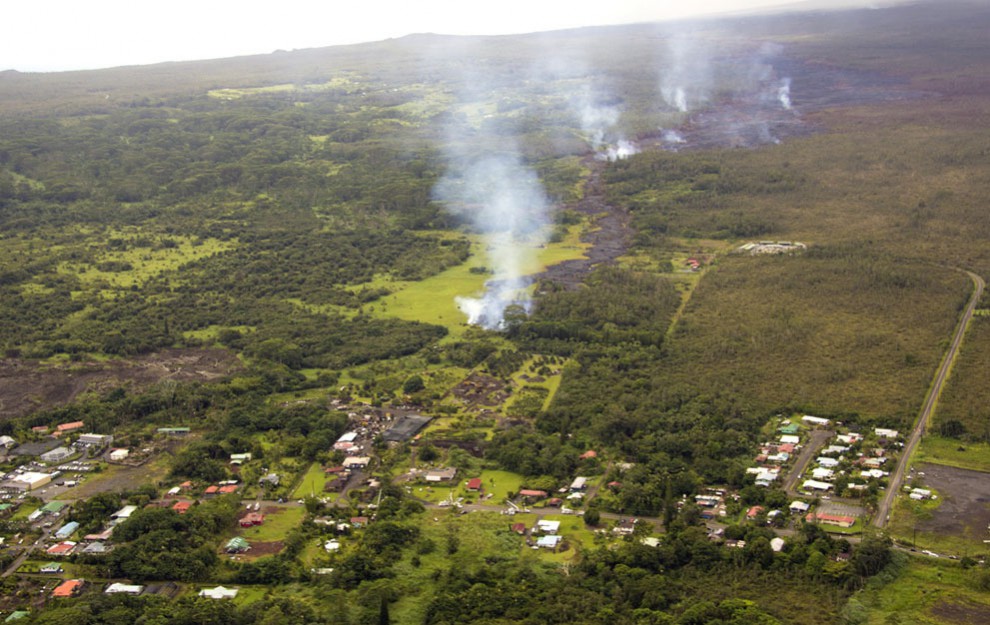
(60, 36)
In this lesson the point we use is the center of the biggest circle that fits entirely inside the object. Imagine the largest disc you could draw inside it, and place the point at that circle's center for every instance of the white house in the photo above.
(810, 420)
(548, 527)
(119, 455)
(825, 461)
(356, 462)
(218, 593)
(799, 506)
(815, 485)
(822, 473)
(885, 433)
(127, 589)
(790, 438)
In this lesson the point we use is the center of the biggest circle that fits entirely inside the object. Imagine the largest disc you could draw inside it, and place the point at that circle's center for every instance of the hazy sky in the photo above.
(55, 35)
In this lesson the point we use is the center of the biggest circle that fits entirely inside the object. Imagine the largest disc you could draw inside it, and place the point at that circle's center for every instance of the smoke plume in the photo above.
(503, 199)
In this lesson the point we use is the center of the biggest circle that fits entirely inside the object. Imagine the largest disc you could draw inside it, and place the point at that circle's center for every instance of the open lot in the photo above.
(962, 516)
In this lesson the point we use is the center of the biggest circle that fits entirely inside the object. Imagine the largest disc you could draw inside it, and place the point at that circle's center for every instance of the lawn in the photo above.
(278, 523)
(953, 453)
(312, 482)
(433, 300)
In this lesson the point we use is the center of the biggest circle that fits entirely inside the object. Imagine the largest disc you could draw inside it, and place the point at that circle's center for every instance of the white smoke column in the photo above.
(686, 81)
(622, 149)
(596, 118)
(784, 93)
(503, 199)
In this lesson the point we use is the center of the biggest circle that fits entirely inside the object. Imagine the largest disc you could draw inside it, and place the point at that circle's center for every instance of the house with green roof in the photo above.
(790, 428)
(237, 545)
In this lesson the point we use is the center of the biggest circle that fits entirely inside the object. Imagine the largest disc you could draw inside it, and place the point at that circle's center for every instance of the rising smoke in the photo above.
(502, 198)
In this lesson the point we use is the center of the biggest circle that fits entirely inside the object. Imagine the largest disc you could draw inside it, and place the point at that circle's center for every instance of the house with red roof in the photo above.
(63, 548)
(228, 488)
(754, 512)
(251, 519)
(533, 494)
(182, 507)
(591, 453)
(474, 484)
(68, 588)
(71, 426)
(211, 490)
(830, 519)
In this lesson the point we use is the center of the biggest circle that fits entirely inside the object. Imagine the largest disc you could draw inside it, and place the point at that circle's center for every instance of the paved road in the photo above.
(818, 440)
(894, 487)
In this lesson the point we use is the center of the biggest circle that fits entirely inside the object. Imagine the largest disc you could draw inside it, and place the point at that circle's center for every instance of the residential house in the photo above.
(68, 588)
(218, 593)
(251, 519)
(237, 545)
(119, 455)
(588, 455)
(548, 542)
(124, 513)
(67, 530)
(65, 428)
(441, 475)
(63, 548)
(830, 519)
(123, 589)
(474, 484)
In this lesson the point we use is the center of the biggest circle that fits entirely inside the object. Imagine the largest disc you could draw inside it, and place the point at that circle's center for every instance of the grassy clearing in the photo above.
(277, 524)
(111, 267)
(433, 300)
(909, 514)
(478, 537)
(312, 482)
(924, 593)
(953, 453)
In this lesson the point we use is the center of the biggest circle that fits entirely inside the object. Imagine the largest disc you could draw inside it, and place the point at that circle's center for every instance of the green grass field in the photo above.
(277, 524)
(953, 453)
(433, 300)
(927, 592)
(312, 483)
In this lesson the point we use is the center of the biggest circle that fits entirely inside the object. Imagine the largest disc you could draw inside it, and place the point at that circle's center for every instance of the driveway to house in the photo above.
(897, 478)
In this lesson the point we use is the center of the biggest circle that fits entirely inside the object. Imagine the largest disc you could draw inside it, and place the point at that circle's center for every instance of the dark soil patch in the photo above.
(27, 386)
(260, 549)
(965, 507)
(479, 389)
(962, 613)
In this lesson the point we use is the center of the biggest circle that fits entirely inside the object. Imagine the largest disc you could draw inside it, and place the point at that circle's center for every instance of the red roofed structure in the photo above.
(830, 519)
(69, 427)
(182, 507)
(62, 549)
(251, 519)
(591, 453)
(229, 488)
(474, 484)
(540, 494)
(68, 588)
(211, 490)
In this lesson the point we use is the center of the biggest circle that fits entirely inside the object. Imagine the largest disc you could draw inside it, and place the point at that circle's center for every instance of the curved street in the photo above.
(931, 399)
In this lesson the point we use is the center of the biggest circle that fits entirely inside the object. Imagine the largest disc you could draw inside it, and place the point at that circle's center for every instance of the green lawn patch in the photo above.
(312, 483)
(279, 521)
(953, 453)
